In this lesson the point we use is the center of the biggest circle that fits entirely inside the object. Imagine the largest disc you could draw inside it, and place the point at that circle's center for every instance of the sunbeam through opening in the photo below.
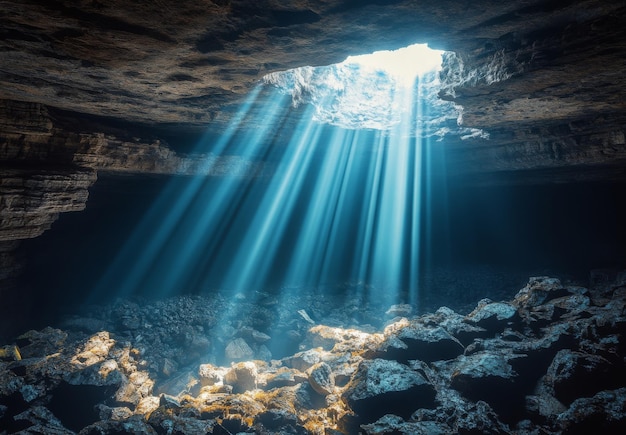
(343, 199)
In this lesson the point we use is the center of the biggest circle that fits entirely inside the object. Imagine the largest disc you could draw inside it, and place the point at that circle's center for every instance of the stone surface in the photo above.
(379, 387)
(565, 377)
(493, 316)
(322, 379)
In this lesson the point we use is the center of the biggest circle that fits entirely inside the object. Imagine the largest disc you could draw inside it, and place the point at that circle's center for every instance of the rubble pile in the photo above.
(550, 361)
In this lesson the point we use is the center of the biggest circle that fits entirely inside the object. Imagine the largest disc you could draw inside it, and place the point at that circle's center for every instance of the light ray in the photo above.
(341, 203)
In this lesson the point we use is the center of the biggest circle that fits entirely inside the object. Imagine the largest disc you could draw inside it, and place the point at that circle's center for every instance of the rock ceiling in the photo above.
(91, 86)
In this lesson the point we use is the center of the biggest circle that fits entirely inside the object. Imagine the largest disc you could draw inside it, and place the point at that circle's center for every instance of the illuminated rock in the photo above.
(322, 379)
(493, 316)
(418, 341)
(380, 387)
(242, 377)
(238, 350)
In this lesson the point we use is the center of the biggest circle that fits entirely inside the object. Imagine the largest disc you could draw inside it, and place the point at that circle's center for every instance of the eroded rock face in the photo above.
(544, 80)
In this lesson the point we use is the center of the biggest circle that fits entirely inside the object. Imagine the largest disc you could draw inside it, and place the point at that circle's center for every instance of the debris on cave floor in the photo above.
(549, 361)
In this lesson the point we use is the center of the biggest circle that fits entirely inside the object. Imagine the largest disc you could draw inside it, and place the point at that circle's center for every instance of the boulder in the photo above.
(489, 376)
(238, 350)
(242, 376)
(605, 413)
(425, 343)
(381, 387)
(539, 290)
(392, 424)
(322, 379)
(575, 374)
(493, 316)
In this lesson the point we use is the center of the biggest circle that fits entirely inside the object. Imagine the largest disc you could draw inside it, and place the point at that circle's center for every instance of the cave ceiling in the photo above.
(94, 86)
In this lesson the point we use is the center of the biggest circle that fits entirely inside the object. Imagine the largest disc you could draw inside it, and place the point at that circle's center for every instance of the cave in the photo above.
(315, 217)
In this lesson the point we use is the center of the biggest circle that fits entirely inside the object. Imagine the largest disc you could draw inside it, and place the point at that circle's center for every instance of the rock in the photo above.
(321, 379)
(39, 419)
(284, 377)
(544, 405)
(392, 424)
(238, 350)
(10, 353)
(135, 387)
(95, 350)
(211, 375)
(479, 418)
(399, 310)
(489, 376)
(304, 360)
(48, 341)
(382, 387)
(133, 425)
(538, 291)
(456, 325)
(279, 421)
(242, 376)
(493, 316)
(342, 340)
(602, 413)
(415, 341)
(575, 374)
(263, 353)
(147, 404)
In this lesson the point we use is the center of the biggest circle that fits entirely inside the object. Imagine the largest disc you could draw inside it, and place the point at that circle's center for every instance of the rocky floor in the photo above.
(550, 361)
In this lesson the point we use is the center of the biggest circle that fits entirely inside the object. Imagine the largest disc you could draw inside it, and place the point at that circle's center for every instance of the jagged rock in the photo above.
(48, 341)
(392, 424)
(254, 335)
(602, 413)
(538, 291)
(416, 341)
(280, 421)
(382, 387)
(493, 316)
(305, 360)
(322, 379)
(239, 350)
(242, 377)
(133, 425)
(489, 377)
(575, 374)
(544, 405)
(39, 419)
(520, 380)
(211, 375)
(164, 420)
(456, 325)
(134, 388)
(342, 340)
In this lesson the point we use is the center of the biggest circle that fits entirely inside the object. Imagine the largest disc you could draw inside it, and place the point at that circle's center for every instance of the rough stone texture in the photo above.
(380, 381)
(104, 85)
(322, 379)
(566, 377)
(31, 199)
(493, 315)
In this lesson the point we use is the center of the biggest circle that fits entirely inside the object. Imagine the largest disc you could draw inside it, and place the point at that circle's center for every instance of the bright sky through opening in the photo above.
(404, 64)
